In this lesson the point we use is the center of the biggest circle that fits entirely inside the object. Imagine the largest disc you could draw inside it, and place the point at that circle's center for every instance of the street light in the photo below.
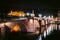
(28, 14)
(39, 15)
(32, 15)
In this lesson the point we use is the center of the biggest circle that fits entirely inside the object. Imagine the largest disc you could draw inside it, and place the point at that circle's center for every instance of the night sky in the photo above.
(38, 6)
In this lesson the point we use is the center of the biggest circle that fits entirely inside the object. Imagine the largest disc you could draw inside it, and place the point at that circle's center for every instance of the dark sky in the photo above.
(6, 6)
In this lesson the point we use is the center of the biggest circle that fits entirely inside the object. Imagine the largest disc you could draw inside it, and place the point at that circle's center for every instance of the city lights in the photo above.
(33, 25)
(29, 19)
(15, 13)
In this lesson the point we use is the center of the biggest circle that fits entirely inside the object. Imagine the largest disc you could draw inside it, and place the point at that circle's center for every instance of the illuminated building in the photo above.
(15, 13)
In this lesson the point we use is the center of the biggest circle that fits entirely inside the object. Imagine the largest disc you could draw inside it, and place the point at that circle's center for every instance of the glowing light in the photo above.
(28, 14)
(52, 16)
(16, 28)
(40, 37)
(32, 25)
(32, 15)
(39, 15)
(45, 34)
(15, 13)
(23, 15)
(49, 30)
(8, 23)
(31, 20)
(19, 14)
